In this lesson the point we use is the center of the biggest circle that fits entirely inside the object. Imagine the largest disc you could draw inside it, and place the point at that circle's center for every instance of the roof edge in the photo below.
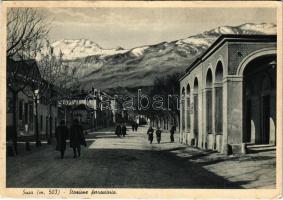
(223, 39)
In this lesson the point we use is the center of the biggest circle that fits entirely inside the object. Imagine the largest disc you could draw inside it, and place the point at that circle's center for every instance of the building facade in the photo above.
(228, 95)
(94, 109)
(47, 114)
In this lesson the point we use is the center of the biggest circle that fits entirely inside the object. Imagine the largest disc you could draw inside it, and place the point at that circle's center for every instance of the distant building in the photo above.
(93, 109)
(229, 95)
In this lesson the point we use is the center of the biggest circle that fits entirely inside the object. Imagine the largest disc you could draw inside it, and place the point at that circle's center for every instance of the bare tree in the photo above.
(51, 70)
(26, 28)
(35, 90)
(68, 85)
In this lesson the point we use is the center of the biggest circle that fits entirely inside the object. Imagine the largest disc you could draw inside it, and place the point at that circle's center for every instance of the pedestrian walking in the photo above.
(150, 134)
(158, 135)
(172, 132)
(76, 138)
(118, 130)
(124, 130)
(61, 134)
(133, 126)
(136, 126)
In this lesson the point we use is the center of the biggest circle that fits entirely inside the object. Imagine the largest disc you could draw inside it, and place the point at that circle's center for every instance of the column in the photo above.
(232, 115)
(217, 117)
(200, 121)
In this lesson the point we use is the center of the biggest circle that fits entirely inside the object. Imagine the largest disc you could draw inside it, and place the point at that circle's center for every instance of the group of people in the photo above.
(135, 126)
(75, 133)
(121, 130)
(150, 132)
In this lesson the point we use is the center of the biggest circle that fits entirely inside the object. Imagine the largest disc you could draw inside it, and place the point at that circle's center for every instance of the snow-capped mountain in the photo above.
(107, 68)
(73, 49)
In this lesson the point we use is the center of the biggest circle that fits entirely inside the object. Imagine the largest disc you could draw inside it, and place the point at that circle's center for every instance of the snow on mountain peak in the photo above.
(139, 50)
(266, 28)
(247, 28)
(78, 48)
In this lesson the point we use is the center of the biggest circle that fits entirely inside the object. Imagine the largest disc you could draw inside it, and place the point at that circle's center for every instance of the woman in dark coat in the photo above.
(61, 134)
(124, 130)
(133, 126)
(76, 138)
(118, 130)
(172, 131)
(150, 134)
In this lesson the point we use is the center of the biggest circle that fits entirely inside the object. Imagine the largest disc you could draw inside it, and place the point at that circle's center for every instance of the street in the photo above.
(131, 162)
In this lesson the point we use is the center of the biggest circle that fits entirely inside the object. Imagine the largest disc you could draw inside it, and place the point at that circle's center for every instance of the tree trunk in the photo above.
(49, 138)
(15, 123)
(65, 112)
(37, 140)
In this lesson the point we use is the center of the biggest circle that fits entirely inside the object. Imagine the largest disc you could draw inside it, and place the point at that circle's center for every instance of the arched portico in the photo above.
(259, 100)
(250, 109)
(232, 94)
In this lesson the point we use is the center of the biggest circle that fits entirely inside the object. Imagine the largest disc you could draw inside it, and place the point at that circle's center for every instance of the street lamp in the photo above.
(36, 101)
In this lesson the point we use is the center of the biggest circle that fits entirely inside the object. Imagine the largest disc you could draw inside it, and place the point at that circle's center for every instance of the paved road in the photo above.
(109, 161)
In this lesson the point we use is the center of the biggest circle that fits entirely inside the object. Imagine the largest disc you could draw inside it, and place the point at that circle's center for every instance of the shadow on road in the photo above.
(114, 168)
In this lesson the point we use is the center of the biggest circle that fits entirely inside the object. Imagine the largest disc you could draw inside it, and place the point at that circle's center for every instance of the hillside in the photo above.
(138, 67)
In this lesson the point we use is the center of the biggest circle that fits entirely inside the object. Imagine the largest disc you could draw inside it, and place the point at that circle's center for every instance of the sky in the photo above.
(133, 27)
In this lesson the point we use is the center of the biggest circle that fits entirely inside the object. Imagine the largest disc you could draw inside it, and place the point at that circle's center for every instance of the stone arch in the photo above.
(183, 96)
(208, 100)
(208, 82)
(196, 112)
(183, 91)
(218, 97)
(252, 56)
(219, 72)
(195, 85)
(220, 61)
(188, 118)
(259, 97)
(188, 89)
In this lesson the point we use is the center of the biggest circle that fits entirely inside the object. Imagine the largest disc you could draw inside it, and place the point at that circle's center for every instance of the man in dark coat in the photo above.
(133, 126)
(61, 134)
(124, 130)
(172, 131)
(77, 138)
(136, 126)
(150, 134)
(118, 130)
(158, 135)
